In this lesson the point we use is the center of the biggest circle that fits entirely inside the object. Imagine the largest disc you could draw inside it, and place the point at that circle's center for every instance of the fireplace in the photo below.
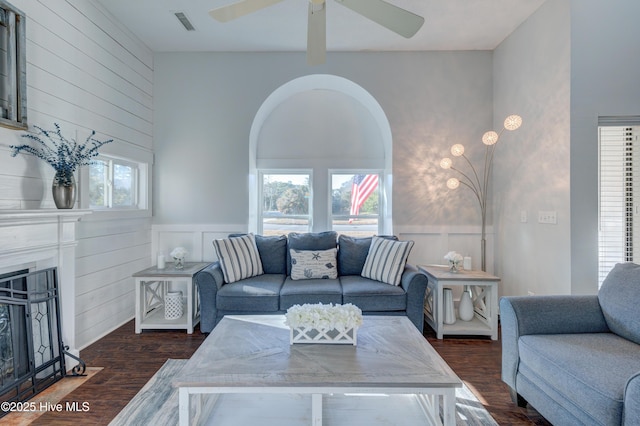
(37, 300)
(31, 347)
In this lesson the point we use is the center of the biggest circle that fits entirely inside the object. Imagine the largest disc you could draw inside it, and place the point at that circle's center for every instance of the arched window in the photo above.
(310, 135)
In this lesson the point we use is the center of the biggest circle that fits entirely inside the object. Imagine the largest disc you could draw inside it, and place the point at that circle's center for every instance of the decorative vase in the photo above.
(449, 314)
(178, 262)
(64, 190)
(453, 267)
(465, 308)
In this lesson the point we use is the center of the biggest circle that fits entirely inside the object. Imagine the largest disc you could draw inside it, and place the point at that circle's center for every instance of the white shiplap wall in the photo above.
(86, 72)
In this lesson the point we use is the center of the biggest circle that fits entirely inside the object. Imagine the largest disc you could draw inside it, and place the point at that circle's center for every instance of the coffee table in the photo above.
(251, 354)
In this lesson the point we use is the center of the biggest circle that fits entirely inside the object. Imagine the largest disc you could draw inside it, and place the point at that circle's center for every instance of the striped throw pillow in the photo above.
(239, 257)
(386, 260)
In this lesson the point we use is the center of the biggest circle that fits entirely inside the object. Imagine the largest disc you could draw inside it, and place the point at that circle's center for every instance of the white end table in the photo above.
(152, 286)
(484, 294)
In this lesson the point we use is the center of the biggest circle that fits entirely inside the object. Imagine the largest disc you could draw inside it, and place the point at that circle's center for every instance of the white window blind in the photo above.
(619, 197)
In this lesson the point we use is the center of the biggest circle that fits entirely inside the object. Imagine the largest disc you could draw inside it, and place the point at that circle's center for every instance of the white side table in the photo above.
(484, 294)
(152, 286)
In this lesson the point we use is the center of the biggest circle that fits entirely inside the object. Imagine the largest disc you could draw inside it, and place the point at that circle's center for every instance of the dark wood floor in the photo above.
(130, 359)
(478, 362)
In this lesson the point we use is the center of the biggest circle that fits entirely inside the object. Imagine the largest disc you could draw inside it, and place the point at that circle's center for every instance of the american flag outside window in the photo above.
(362, 187)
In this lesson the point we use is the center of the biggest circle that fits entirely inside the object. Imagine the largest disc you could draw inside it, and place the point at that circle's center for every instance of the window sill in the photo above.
(114, 214)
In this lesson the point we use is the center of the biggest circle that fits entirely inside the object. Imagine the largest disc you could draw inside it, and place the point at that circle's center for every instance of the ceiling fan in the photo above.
(396, 19)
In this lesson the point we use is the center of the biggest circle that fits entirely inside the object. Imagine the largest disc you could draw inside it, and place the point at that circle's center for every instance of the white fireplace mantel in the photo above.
(39, 239)
(73, 214)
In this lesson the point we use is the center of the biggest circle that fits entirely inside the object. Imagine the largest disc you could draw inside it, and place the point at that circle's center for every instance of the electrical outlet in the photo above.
(530, 293)
(548, 217)
(523, 216)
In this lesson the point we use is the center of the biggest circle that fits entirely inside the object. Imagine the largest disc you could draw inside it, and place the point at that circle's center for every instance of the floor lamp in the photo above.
(479, 184)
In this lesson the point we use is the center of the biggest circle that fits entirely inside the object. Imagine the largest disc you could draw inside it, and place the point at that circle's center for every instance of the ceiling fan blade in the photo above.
(317, 34)
(396, 19)
(241, 8)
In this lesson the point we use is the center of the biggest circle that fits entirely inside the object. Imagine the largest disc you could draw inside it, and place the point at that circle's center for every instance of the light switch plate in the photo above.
(548, 217)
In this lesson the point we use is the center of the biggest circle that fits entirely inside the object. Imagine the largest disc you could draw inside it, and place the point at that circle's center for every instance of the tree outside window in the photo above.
(113, 184)
(286, 200)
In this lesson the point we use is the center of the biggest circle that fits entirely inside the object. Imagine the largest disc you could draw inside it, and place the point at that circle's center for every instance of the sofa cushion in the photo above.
(352, 254)
(255, 294)
(310, 241)
(619, 298)
(239, 257)
(386, 260)
(273, 253)
(370, 295)
(307, 264)
(297, 292)
(594, 380)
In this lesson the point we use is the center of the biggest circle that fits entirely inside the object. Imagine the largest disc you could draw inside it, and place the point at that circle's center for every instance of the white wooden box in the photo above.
(327, 336)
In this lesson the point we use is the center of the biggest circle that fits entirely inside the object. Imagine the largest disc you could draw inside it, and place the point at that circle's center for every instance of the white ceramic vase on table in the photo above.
(465, 307)
(449, 314)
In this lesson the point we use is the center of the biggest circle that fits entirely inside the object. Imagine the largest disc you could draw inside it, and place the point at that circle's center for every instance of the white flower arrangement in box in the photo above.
(319, 323)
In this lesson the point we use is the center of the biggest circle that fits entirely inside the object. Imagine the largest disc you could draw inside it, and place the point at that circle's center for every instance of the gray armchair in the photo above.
(576, 359)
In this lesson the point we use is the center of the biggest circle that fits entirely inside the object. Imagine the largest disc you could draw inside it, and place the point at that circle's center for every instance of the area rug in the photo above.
(157, 403)
(48, 397)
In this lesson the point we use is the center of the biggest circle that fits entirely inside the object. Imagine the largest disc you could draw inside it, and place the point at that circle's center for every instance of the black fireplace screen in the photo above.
(31, 348)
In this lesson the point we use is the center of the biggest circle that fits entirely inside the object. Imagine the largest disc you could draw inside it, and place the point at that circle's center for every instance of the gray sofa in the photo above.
(576, 359)
(275, 291)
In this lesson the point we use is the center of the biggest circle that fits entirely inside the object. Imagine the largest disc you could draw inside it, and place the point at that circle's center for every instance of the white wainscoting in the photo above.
(431, 242)
(196, 239)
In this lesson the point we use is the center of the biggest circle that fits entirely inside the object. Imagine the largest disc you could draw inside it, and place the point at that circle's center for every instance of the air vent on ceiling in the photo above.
(184, 21)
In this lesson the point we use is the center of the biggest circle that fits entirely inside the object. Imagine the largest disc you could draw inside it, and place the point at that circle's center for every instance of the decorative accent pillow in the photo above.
(310, 241)
(273, 252)
(239, 257)
(308, 264)
(386, 260)
(352, 253)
